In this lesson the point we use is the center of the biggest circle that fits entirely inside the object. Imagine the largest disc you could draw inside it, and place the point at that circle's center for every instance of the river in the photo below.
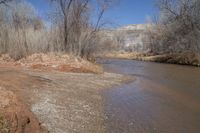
(161, 98)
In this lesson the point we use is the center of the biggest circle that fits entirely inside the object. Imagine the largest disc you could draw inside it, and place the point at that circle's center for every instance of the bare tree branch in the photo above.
(5, 2)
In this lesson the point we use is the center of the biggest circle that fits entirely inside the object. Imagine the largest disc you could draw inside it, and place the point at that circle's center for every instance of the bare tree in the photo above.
(4, 2)
(73, 17)
(65, 6)
(178, 29)
(22, 31)
(72, 29)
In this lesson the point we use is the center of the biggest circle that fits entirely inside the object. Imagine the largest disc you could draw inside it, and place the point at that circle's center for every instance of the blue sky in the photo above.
(123, 13)
(41, 6)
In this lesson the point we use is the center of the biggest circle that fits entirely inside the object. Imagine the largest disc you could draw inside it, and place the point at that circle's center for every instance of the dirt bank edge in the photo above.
(15, 117)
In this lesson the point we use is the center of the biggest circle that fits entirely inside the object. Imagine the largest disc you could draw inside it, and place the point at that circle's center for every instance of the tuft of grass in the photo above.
(4, 126)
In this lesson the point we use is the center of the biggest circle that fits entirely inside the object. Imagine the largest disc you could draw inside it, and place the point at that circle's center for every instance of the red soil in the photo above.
(18, 117)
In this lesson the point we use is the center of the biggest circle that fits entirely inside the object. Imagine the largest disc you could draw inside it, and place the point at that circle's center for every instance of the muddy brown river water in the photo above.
(163, 98)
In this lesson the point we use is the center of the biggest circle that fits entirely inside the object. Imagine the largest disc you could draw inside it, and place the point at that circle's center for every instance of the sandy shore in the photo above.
(62, 102)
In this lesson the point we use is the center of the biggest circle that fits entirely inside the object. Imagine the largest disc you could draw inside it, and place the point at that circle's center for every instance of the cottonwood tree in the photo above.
(72, 29)
(73, 17)
(20, 29)
(178, 29)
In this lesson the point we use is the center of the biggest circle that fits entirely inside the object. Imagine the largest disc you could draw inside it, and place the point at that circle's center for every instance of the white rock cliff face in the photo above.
(135, 37)
(135, 27)
(130, 37)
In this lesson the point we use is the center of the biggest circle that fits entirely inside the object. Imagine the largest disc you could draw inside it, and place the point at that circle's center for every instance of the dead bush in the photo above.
(178, 28)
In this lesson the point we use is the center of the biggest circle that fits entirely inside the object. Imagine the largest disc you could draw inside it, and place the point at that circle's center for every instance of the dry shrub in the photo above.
(59, 62)
(178, 28)
(23, 33)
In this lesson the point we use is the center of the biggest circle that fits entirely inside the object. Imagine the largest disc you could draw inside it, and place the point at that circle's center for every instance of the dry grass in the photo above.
(182, 58)
(127, 55)
(53, 61)
(186, 58)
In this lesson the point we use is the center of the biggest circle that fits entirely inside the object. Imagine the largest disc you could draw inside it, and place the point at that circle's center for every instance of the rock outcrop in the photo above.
(131, 37)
